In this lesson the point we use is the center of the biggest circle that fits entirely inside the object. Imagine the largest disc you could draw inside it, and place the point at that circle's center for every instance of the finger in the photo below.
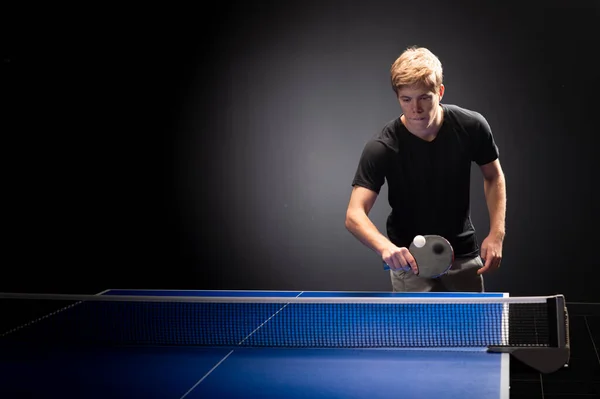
(497, 262)
(484, 268)
(402, 263)
(390, 262)
(412, 263)
(488, 264)
(408, 261)
(394, 263)
(483, 253)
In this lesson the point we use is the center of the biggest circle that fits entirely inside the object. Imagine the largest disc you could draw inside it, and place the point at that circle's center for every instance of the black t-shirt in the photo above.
(429, 182)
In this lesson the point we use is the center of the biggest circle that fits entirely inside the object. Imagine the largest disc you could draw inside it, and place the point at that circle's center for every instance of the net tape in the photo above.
(347, 322)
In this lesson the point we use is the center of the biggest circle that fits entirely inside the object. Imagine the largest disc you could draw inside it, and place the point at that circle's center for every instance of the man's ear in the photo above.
(441, 91)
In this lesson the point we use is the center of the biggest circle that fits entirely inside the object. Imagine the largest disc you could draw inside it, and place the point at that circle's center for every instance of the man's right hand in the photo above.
(359, 224)
(399, 257)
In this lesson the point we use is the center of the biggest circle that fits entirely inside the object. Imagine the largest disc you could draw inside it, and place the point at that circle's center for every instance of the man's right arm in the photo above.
(359, 224)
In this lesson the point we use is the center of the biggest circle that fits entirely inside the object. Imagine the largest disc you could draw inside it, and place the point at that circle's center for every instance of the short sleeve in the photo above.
(484, 148)
(371, 169)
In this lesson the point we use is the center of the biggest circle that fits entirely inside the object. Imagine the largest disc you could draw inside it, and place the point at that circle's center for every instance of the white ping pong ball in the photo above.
(419, 241)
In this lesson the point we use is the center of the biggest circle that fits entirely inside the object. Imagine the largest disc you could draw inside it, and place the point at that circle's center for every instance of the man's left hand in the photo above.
(491, 253)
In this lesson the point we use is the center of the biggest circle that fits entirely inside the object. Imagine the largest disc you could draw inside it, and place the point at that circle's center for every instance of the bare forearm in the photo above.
(495, 194)
(359, 224)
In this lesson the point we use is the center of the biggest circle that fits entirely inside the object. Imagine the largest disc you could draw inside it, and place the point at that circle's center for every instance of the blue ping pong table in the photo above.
(179, 372)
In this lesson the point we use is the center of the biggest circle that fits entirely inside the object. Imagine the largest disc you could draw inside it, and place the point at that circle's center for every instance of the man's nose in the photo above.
(416, 106)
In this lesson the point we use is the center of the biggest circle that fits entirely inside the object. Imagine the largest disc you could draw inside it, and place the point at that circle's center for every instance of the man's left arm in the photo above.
(494, 185)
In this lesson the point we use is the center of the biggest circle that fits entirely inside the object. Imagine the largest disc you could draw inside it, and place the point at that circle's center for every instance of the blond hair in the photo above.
(416, 66)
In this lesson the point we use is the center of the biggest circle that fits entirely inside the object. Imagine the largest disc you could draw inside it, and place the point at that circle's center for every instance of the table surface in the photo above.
(217, 372)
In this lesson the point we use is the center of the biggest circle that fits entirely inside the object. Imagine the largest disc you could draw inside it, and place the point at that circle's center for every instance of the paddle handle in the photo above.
(405, 268)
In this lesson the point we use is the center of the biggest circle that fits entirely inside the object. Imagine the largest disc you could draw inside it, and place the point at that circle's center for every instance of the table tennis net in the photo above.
(42, 319)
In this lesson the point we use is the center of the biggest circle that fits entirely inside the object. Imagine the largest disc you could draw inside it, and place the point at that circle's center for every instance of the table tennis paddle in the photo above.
(433, 253)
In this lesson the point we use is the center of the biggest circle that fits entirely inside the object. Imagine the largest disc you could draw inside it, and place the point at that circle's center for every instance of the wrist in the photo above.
(382, 245)
(497, 233)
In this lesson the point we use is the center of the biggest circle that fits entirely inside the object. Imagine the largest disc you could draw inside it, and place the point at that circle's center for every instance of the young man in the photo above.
(425, 156)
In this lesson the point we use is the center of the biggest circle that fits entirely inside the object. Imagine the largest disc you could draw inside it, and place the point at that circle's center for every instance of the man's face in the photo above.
(419, 105)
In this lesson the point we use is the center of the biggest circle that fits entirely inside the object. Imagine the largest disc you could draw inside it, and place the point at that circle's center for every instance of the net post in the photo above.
(558, 322)
(556, 355)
